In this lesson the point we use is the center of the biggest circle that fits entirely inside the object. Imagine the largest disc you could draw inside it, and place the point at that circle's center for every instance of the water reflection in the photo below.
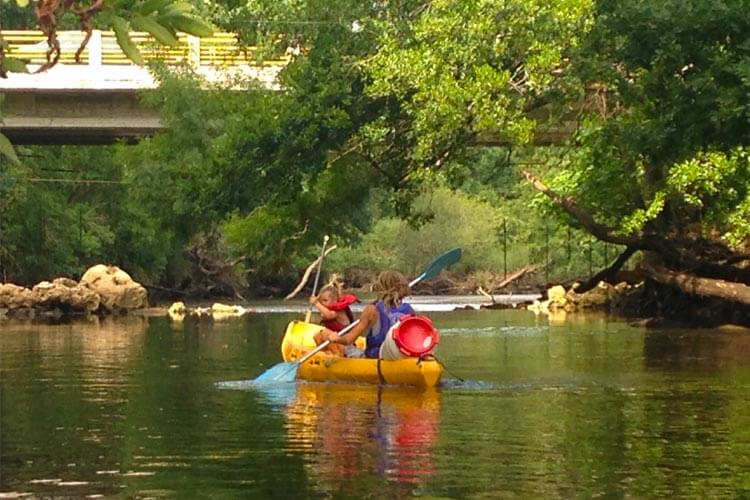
(349, 432)
(696, 349)
(589, 408)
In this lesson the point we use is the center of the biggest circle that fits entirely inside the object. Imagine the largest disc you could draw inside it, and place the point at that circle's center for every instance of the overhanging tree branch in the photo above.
(677, 252)
(600, 231)
(608, 273)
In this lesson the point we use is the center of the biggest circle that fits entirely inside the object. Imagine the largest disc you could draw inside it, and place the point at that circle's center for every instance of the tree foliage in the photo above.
(66, 208)
(462, 70)
(385, 105)
(668, 155)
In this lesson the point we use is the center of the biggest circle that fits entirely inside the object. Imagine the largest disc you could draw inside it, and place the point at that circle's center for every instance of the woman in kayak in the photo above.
(335, 312)
(377, 319)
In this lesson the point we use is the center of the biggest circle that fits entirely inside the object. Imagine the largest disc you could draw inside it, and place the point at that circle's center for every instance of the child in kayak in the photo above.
(335, 313)
(377, 320)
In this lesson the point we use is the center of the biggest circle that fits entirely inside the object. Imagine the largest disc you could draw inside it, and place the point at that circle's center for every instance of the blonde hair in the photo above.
(330, 288)
(391, 287)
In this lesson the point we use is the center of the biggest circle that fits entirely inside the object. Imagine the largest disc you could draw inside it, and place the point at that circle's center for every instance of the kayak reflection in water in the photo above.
(380, 322)
(352, 431)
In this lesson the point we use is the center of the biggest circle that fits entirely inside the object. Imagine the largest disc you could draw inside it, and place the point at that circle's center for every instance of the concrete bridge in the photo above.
(96, 101)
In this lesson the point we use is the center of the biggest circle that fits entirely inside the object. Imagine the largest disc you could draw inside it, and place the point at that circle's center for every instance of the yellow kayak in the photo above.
(298, 340)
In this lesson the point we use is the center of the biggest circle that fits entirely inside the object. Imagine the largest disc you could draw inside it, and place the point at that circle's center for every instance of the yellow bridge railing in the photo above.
(219, 50)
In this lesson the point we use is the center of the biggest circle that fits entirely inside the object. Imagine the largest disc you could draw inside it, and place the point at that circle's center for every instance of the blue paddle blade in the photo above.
(277, 374)
(447, 259)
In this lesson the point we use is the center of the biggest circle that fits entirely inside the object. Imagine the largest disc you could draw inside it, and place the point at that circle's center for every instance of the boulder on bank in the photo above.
(602, 297)
(101, 289)
(15, 296)
(116, 289)
(66, 295)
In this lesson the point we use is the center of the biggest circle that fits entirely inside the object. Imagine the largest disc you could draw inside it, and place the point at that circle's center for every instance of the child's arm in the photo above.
(325, 313)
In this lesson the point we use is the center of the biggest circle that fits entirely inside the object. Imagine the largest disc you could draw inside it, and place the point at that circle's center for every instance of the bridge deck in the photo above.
(96, 101)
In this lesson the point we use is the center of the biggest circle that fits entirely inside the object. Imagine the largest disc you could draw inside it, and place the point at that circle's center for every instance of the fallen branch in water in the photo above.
(485, 294)
(513, 277)
(307, 274)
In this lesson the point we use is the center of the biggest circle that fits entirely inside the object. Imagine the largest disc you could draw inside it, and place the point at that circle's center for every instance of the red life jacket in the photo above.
(342, 305)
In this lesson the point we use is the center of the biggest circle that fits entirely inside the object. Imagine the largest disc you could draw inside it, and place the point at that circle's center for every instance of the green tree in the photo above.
(65, 208)
(662, 165)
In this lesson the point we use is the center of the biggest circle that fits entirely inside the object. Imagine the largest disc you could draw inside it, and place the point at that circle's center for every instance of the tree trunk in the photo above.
(696, 285)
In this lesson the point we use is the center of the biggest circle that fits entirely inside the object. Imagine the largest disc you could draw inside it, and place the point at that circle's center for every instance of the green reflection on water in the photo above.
(582, 407)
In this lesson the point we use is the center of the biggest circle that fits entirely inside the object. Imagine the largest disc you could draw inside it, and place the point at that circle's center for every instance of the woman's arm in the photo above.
(368, 318)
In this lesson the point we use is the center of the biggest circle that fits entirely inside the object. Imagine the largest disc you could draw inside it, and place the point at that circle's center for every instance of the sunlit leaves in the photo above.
(714, 183)
(161, 18)
(188, 24)
(472, 67)
(122, 29)
(150, 6)
(162, 34)
(666, 152)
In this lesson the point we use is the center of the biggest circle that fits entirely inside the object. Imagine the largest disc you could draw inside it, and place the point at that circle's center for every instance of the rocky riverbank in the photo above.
(102, 289)
(645, 303)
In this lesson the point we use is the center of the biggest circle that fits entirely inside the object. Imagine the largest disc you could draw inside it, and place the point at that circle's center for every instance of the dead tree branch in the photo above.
(307, 274)
(608, 273)
(513, 277)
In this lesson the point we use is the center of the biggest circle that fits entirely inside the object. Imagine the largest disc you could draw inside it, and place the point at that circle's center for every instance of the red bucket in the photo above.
(415, 335)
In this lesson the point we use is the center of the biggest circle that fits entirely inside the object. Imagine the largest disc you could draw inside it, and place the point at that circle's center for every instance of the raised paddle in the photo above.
(317, 277)
(287, 372)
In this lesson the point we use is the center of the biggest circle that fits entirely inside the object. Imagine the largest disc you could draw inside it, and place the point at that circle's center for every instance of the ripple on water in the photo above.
(469, 385)
(276, 395)
(496, 331)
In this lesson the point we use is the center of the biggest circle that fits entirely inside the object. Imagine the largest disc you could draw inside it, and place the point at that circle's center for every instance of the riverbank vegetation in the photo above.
(568, 136)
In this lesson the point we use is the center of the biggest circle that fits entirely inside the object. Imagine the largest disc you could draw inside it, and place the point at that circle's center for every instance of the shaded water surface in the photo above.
(583, 408)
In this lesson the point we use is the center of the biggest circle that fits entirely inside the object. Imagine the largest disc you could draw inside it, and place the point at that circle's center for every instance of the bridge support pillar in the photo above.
(95, 49)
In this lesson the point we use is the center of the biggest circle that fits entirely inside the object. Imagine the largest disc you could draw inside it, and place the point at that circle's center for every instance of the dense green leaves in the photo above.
(64, 209)
(463, 69)
(668, 153)
(384, 107)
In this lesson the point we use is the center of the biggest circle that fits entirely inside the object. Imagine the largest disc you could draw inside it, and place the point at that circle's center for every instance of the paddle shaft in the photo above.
(444, 261)
(317, 277)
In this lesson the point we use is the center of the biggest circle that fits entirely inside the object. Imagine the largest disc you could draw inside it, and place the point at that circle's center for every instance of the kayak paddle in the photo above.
(287, 372)
(317, 277)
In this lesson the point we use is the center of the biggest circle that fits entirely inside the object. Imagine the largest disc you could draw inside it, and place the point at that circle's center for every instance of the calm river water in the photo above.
(576, 408)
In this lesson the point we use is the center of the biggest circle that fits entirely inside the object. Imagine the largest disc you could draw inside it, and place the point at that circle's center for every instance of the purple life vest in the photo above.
(386, 319)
